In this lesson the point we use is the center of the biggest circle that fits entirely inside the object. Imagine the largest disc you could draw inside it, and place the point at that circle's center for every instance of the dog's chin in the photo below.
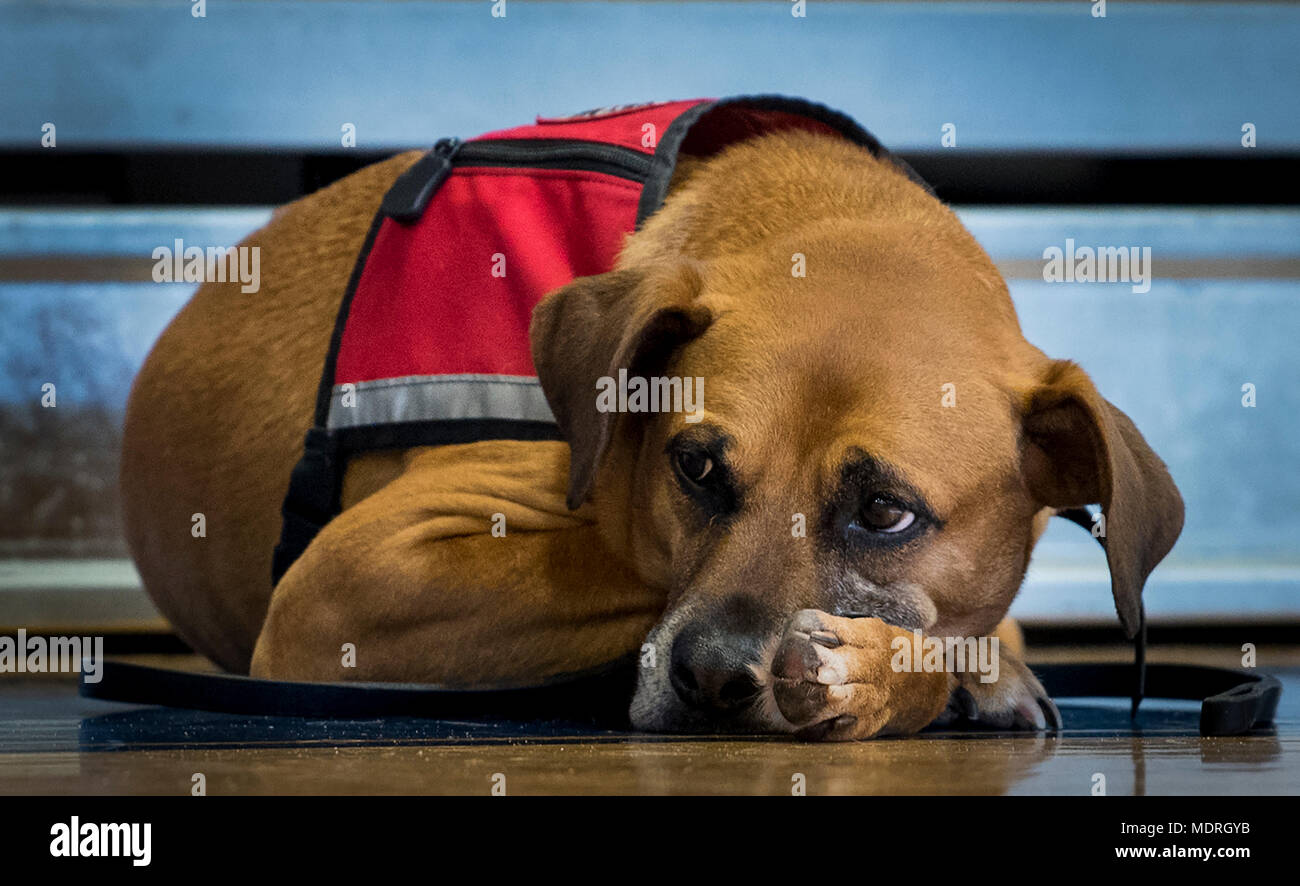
(656, 707)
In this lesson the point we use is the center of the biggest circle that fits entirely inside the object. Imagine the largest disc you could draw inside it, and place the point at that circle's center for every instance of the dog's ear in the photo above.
(1079, 449)
(630, 319)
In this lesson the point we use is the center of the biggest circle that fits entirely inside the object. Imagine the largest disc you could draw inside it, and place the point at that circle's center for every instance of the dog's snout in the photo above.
(711, 665)
(710, 680)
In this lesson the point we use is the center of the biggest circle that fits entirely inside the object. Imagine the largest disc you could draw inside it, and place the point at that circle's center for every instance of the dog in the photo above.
(877, 453)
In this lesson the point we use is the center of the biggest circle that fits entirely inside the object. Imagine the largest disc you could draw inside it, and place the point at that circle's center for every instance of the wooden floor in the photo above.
(54, 742)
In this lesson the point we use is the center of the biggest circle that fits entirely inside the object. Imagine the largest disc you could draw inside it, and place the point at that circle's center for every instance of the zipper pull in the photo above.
(406, 200)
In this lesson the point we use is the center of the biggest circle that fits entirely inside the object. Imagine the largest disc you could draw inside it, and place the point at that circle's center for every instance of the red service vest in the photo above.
(431, 342)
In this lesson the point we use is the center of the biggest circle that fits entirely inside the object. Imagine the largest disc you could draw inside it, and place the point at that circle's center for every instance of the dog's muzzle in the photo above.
(706, 672)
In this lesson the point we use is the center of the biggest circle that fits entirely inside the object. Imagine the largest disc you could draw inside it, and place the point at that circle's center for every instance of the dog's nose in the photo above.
(710, 668)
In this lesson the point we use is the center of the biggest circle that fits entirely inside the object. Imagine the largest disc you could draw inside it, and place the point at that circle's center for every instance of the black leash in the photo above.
(1237, 702)
(1085, 518)
(1232, 701)
(597, 697)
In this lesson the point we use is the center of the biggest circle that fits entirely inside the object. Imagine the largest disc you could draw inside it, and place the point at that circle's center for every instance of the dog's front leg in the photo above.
(839, 678)
(410, 584)
(1015, 700)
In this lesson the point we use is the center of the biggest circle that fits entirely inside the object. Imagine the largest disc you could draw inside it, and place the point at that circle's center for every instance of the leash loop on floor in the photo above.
(1238, 701)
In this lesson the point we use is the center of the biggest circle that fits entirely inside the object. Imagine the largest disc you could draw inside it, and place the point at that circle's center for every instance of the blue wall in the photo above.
(1008, 75)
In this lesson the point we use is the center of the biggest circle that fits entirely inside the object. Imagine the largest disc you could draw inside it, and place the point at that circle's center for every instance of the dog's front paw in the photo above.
(832, 679)
(1016, 700)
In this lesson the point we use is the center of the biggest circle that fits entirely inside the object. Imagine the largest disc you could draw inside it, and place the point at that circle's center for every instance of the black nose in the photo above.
(711, 659)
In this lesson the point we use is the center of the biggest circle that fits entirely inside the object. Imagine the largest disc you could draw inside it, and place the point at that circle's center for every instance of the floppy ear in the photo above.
(630, 319)
(1078, 450)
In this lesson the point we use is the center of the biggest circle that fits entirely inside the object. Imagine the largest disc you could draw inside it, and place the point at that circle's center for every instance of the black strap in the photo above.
(1232, 702)
(1238, 701)
(315, 489)
(1085, 518)
(598, 696)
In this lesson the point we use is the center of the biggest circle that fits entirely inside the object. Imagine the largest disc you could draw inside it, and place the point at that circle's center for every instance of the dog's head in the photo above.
(872, 437)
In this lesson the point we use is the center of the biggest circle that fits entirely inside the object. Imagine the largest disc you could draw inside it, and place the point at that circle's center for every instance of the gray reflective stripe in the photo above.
(440, 397)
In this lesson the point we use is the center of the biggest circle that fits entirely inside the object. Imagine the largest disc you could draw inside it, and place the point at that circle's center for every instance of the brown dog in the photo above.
(825, 409)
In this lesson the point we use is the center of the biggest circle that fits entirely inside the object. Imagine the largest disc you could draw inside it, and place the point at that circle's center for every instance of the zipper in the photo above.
(406, 200)
(410, 194)
(537, 153)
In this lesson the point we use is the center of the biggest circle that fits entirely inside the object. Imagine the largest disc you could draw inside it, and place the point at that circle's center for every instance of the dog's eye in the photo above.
(695, 465)
(885, 514)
